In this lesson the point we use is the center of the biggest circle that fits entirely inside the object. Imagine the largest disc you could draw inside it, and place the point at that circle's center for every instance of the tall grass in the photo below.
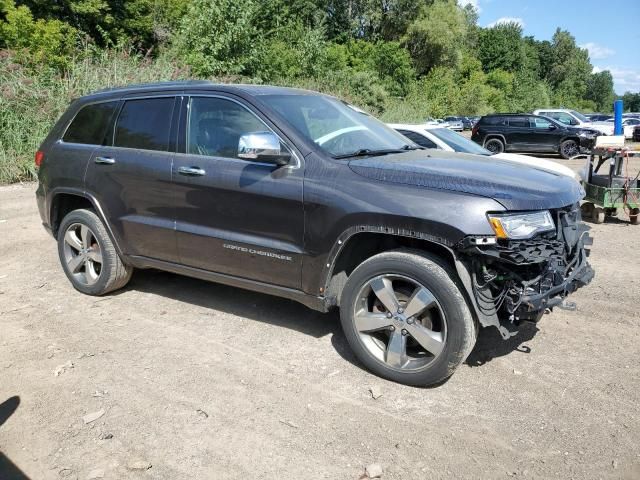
(32, 100)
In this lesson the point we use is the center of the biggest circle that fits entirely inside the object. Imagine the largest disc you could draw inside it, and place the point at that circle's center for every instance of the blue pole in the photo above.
(617, 117)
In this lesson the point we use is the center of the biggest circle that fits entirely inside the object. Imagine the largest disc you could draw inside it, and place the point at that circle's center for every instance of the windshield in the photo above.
(579, 116)
(459, 143)
(337, 128)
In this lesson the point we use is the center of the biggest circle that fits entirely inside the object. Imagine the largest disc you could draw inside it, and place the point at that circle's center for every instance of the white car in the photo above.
(445, 139)
(628, 125)
(574, 119)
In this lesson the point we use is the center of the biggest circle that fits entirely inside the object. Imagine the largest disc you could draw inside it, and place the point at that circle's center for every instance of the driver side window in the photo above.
(215, 126)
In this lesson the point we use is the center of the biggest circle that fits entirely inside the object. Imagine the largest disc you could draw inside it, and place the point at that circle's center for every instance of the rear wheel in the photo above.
(405, 318)
(569, 149)
(598, 215)
(494, 145)
(88, 255)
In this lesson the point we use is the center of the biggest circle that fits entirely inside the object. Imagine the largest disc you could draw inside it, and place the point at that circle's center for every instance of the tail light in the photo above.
(474, 130)
(39, 157)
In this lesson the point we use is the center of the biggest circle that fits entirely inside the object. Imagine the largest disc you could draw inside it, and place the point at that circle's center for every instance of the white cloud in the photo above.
(624, 79)
(517, 20)
(474, 3)
(596, 51)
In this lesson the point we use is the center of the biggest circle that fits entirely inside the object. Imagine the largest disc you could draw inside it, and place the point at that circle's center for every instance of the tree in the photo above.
(502, 47)
(219, 38)
(38, 42)
(600, 90)
(631, 101)
(141, 23)
(436, 37)
(570, 70)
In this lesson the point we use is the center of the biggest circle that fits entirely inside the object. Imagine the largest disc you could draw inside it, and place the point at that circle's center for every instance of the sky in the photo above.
(609, 29)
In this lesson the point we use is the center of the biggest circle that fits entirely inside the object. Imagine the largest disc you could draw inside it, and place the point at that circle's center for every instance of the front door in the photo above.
(547, 135)
(131, 178)
(235, 216)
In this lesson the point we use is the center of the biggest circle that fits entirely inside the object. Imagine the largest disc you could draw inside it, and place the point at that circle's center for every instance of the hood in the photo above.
(604, 127)
(536, 162)
(515, 186)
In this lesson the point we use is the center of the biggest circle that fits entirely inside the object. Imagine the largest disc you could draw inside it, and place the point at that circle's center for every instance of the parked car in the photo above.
(628, 125)
(517, 132)
(455, 123)
(574, 119)
(299, 195)
(444, 139)
(598, 117)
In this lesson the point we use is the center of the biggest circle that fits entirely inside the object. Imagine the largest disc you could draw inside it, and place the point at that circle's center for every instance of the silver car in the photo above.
(455, 123)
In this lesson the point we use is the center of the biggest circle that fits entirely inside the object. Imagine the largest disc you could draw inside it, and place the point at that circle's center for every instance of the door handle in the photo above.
(105, 160)
(191, 171)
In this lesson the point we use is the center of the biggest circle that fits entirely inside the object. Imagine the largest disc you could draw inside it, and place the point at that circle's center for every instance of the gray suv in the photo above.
(301, 195)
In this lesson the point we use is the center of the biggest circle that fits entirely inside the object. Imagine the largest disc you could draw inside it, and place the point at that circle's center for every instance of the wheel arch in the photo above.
(64, 201)
(360, 243)
(496, 136)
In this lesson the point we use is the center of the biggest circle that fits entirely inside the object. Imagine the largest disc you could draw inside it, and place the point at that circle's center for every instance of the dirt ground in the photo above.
(202, 381)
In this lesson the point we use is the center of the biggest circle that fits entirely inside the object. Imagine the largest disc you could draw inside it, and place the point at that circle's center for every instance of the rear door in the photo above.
(235, 216)
(131, 176)
(518, 133)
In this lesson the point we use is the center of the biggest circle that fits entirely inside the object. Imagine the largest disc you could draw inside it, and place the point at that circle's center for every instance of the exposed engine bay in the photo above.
(518, 280)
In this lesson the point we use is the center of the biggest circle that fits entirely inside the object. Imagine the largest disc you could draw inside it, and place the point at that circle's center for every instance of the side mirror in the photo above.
(262, 147)
(552, 126)
(573, 122)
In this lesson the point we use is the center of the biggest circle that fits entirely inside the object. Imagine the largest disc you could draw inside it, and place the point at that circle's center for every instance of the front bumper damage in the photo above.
(518, 280)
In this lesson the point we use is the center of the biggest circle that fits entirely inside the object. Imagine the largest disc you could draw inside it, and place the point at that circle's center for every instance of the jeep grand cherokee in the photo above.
(301, 195)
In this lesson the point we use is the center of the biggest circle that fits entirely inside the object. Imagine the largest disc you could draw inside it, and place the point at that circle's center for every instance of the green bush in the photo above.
(36, 42)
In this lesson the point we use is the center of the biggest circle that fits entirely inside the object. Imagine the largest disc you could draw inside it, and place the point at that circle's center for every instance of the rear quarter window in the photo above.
(90, 124)
(145, 124)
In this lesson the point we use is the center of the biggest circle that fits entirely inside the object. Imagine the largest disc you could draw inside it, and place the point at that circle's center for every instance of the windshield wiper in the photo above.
(364, 152)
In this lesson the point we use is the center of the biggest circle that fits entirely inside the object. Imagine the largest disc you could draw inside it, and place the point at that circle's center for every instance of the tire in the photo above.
(598, 215)
(494, 145)
(447, 321)
(569, 148)
(88, 256)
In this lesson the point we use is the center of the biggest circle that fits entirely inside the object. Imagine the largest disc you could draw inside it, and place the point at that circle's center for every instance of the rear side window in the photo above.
(419, 139)
(145, 124)
(519, 122)
(90, 124)
(492, 121)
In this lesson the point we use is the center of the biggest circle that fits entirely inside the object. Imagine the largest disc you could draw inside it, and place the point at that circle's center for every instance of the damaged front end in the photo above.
(518, 280)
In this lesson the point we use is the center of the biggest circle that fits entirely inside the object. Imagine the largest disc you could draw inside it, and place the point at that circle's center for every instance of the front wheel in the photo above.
(569, 149)
(406, 319)
(88, 255)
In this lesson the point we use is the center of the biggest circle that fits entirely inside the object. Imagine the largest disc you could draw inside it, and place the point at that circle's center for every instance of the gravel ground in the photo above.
(193, 380)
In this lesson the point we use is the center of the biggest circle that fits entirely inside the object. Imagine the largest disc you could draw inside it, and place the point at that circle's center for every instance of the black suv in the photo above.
(515, 132)
(303, 196)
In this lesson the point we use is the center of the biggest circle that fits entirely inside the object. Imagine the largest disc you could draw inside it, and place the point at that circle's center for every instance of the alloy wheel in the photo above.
(82, 253)
(570, 149)
(400, 322)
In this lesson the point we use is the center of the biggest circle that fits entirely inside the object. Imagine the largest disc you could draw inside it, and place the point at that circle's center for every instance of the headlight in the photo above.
(521, 225)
